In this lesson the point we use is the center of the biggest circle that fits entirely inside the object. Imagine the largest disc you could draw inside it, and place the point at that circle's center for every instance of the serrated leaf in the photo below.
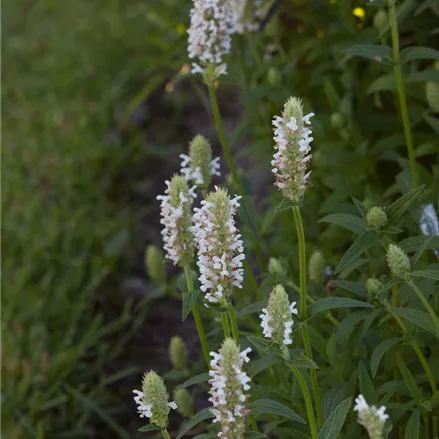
(360, 245)
(201, 378)
(380, 53)
(412, 429)
(150, 427)
(189, 300)
(417, 317)
(347, 221)
(285, 205)
(300, 360)
(426, 274)
(264, 346)
(199, 417)
(397, 208)
(419, 52)
(354, 287)
(333, 425)
(251, 309)
(409, 380)
(270, 407)
(336, 302)
(261, 364)
(366, 385)
(379, 352)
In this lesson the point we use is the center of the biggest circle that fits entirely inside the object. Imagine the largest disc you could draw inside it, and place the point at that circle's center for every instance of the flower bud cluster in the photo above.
(276, 319)
(220, 248)
(376, 218)
(153, 401)
(176, 214)
(210, 36)
(371, 418)
(178, 353)
(227, 386)
(198, 167)
(292, 142)
(398, 262)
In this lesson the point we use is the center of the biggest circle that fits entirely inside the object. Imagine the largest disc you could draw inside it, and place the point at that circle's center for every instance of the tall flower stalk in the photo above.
(290, 167)
(401, 92)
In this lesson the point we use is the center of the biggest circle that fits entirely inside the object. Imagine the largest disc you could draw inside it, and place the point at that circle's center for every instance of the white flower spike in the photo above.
(371, 418)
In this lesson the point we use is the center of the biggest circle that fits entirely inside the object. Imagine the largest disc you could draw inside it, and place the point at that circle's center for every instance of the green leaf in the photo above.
(189, 300)
(251, 309)
(379, 352)
(419, 52)
(413, 243)
(264, 346)
(199, 417)
(150, 427)
(336, 302)
(379, 53)
(261, 364)
(383, 83)
(360, 245)
(396, 209)
(354, 287)
(285, 205)
(254, 435)
(360, 206)
(201, 378)
(412, 429)
(333, 425)
(346, 220)
(418, 318)
(425, 5)
(270, 407)
(300, 360)
(366, 385)
(409, 380)
(420, 250)
(426, 274)
(429, 75)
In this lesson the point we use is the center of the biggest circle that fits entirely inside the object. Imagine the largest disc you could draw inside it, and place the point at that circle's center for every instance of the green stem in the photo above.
(302, 261)
(235, 330)
(425, 303)
(308, 403)
(196, 314)
(314, 381)
(425, 365)
(165, 434)
(226, 327)
(254, 423)
(401, 93)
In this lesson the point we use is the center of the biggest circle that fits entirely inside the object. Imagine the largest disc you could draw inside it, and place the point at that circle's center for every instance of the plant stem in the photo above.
(197, 318)
(226, 327)
(235, 330)
(302, 307)
(308, 403)
(426, 304)
(254, 423)
(401, 93)
(426, 366)
(165, 434)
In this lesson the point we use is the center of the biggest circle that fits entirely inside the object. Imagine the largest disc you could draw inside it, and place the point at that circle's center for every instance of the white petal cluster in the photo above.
(267, 324)
(429, 222)
(210, 35)
(194, 174)
(292, 143)
(143, 409)
(174, 218)
(246, 14)
(227, 386)
(220, 248)
(371, 418)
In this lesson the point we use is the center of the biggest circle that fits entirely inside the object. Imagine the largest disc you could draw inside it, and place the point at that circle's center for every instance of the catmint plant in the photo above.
(371, 418)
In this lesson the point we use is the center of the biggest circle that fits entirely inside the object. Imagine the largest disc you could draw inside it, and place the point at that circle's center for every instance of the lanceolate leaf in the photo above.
(413, 53)
(366, 386)
(150, 427)
(396, 210)
(333, 425)
(346, 220)
(189, 299)
(379, 53)
(360, 245)
(427, 274)
(270, 407)
(412, 429)
(336, 302)
(201, 378)
(253, 308)
(199, 417)
(409, 380)
(417, 317)
(379, 352)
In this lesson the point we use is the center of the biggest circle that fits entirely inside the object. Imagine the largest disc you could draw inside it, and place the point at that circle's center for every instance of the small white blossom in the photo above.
(371, 418)
(220, 248)
(195, 174)
(143, 409)
(246, 15)
(210, 35)
(276, 319)
(227, 385)
(292, 142)
(429, 223)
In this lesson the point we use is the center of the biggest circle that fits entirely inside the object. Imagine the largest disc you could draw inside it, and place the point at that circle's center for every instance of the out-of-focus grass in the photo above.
(66, 70)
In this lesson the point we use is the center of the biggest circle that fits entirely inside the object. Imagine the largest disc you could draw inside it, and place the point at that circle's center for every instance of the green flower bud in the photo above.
(337, 120)
(273, 77)
(276, 319)
(432, 94)
(152, 401)
(316, 266)
(154, 263)
(376, 218)
(176, 212)
(198, 166)
(276, 267)
(380, 20)
(178, 353)
(398, 262)
(185, 405)
(373, 286)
